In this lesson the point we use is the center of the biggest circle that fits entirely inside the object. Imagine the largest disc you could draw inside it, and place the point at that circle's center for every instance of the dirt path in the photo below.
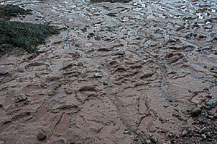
(112, 80)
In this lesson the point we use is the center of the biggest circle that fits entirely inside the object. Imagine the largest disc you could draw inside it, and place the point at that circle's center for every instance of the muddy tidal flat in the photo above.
(131, 72)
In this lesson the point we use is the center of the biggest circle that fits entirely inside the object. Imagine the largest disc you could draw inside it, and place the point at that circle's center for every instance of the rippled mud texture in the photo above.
(147, 75)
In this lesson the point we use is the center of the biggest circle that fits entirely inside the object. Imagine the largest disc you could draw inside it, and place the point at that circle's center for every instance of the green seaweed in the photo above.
(8, 11)
(111, 14)
(112, 1)
(25, 35)
(19, 34)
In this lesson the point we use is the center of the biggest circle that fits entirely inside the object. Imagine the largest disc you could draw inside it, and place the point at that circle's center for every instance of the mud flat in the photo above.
(118, 73)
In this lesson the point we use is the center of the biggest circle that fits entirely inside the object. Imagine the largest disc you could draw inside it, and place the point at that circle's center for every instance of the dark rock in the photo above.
(170, 135)
(184, 133)
(211, 103)
(41, 135)
(173, 141)
(20, 98)
(127, 131)
(153, 139)
(195, 111)
(97, 38)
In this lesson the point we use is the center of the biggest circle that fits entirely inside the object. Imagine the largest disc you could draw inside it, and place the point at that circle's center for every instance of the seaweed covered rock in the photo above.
(26, 35)
(8, 11)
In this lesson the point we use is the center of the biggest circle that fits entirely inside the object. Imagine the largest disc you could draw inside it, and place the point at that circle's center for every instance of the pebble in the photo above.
(125, 19)
(148, 141)
(208, 134)
(127, 132)
(20, 98)
(211, 103)
(195, 111)
(153, 139)
(173, 142)
(97, 38)
(98, 75)
(41, 135)
(170, 135)
(185, 133)
(203, 136)
(1, 142)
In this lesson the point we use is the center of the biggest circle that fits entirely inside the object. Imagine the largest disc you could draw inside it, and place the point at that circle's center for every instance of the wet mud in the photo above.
(118, 73)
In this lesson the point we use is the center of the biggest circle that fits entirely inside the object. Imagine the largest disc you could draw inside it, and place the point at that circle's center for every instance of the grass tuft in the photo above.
(25, 35)
(8, 11)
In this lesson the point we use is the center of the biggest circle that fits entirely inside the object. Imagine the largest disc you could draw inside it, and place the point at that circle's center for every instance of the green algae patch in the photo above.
(8, 11)
(112, 1)
(111, 14)
(24, 35)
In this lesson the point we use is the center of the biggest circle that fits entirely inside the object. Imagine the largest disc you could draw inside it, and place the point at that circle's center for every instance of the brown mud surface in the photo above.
(129, 78)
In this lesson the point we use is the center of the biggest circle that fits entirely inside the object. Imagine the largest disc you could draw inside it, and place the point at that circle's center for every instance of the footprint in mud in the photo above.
(147, 75)
(31, 88)
(201, 38)
(62, 124)
(4, 126)
(86, 92)
(191, 36)
(174, 58)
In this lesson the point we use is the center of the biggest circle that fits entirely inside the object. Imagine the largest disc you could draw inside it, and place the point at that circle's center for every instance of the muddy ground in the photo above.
(117, 74)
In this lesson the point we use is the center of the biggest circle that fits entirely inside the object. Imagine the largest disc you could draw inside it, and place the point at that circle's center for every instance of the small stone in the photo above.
(97, 75)
(162, 120)
(211, 103)
(125, 19)
(165, 105)
(88, 44)
(41, 135)
(147, 141)
(105, 83)
(68, 91)
(153, 139)
(170, 135)
(97, 38)
(184, 133)
(173, 141)
(127, 132)
(20, 98)
(203, 136)
(1, 142)
(195, 111)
